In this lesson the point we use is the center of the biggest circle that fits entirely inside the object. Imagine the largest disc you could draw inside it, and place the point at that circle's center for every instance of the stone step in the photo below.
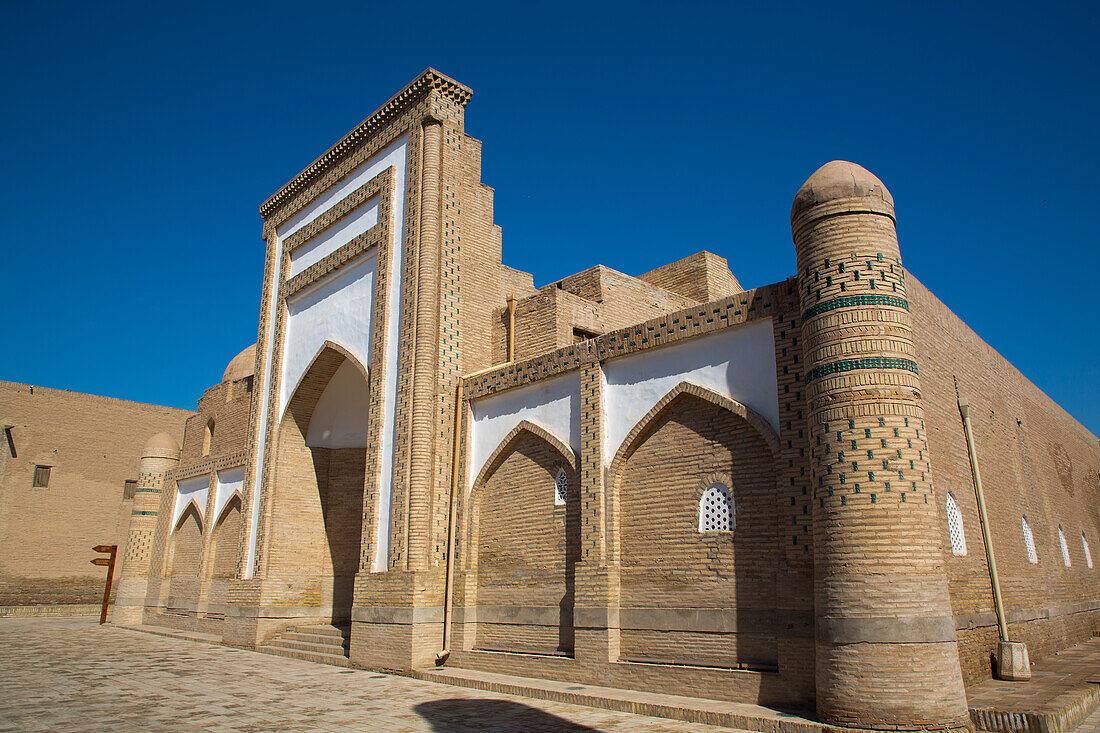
(336, 660)
(334, 641)
(308, 646)
(324, 630)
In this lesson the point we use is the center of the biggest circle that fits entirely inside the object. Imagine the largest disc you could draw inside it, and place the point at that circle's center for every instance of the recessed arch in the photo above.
(191, 509)
(521, 547)
(323, 359)
(505, 447)
(234, 497)
(639, 432)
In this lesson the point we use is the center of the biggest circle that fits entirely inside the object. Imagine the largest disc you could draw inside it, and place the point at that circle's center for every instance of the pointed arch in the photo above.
(326, 361)
(235, 496)
(640, 431)
(504, 448)
(191, 508)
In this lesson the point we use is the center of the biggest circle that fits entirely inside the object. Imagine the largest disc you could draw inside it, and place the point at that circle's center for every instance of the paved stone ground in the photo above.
(73, 675)
(1056, 683)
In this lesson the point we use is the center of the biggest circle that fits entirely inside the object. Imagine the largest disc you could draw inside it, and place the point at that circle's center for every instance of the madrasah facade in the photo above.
(665, 482)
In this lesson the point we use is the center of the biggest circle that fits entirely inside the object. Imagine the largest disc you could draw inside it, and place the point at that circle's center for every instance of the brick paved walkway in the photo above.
(73, 675)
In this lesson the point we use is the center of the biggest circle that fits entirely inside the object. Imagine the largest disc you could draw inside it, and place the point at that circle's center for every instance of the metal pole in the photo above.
(991, 562)
(110, 563)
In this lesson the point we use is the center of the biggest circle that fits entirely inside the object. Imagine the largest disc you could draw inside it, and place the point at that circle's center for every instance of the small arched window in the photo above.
(955, 526)
(207, 437)
(1085, 547)
(1065, 548)
(561, 488)
(1029, 541)
(716, 509)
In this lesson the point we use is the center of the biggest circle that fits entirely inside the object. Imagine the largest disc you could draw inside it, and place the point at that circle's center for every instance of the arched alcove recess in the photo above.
(691, 597)
(227, 530)
(521, 548)
(208, 437)
(316, 515)
(185, 557)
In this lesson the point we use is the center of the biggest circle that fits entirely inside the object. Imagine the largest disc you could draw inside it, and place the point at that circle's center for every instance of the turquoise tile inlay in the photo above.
(848, 301)
(847, 365)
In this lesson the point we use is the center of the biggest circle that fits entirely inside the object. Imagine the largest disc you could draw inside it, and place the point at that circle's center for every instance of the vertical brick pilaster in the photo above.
(597, 581)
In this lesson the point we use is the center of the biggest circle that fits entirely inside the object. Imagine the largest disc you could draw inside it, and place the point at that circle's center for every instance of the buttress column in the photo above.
(159, 457)
(885, 635)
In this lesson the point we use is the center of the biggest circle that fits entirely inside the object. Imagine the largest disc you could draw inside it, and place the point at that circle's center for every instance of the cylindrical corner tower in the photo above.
(886, 649)
(159, 457)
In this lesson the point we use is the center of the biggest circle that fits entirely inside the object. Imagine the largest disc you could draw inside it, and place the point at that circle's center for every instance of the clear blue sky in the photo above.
(137, 143)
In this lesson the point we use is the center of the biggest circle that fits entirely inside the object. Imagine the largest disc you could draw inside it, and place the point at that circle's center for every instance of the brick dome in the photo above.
(161, 445)
(839, 179)
(242, 365)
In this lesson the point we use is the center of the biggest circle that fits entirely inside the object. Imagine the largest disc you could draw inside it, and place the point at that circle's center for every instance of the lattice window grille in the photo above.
(561, 488)
(1085, 546)
(716, 510)
(1064, 546)
(955, 526)
(1029, 541)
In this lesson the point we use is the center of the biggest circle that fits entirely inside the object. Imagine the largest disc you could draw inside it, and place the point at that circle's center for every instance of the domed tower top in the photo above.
(840, 181)
(242, 365)
(161, 445)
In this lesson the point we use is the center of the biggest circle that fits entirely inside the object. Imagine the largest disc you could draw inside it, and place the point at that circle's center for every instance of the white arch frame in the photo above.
(1085, 547)
(1064, 547)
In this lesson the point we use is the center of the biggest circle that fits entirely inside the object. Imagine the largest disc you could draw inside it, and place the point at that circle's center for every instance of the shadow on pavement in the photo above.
(460, 715)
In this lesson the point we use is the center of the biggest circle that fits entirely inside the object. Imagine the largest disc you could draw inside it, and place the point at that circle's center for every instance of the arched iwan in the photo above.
(638, 433)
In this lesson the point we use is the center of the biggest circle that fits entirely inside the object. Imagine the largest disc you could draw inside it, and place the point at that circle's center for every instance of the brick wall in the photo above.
(93, 445)
(1035, 461)
(703, 277)
(670, 570)
(527, 547)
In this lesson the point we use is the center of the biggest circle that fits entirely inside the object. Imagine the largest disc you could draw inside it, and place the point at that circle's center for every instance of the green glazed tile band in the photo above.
(150, 514)
(852, 300)
(876, 362)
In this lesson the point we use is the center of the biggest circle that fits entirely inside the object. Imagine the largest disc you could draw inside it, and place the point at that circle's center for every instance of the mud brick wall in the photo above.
(527, 547)
(227, 404)
(690, 597)
(92, 445)
(1035, 461)
(703, 277)
(596, 301)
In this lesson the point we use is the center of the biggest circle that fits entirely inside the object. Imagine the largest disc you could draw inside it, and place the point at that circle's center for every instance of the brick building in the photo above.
(68, 473)
(663, 482)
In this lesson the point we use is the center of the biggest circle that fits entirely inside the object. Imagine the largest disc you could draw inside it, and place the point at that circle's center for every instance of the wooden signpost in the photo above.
(110, 563)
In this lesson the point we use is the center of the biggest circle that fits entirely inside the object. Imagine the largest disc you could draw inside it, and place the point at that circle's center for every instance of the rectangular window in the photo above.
(41, 477)
(128, 488)
(579, 334)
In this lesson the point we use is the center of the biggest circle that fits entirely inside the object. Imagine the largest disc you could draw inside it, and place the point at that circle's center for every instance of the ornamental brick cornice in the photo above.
(414, 91)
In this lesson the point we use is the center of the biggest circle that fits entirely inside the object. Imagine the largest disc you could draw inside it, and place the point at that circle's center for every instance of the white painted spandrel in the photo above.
(229, 481)
(552, 404)
(188, 491)
(337, 309)
(340, 418)
(738, 363)
(334, 237)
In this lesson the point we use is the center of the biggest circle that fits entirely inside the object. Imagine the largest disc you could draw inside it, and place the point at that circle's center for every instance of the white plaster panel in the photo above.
(552, 404)
(337, 309)
(738, 363)
(334, 237)
(340, 418)
(196, 490)
(394, 155)
(229, 482)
